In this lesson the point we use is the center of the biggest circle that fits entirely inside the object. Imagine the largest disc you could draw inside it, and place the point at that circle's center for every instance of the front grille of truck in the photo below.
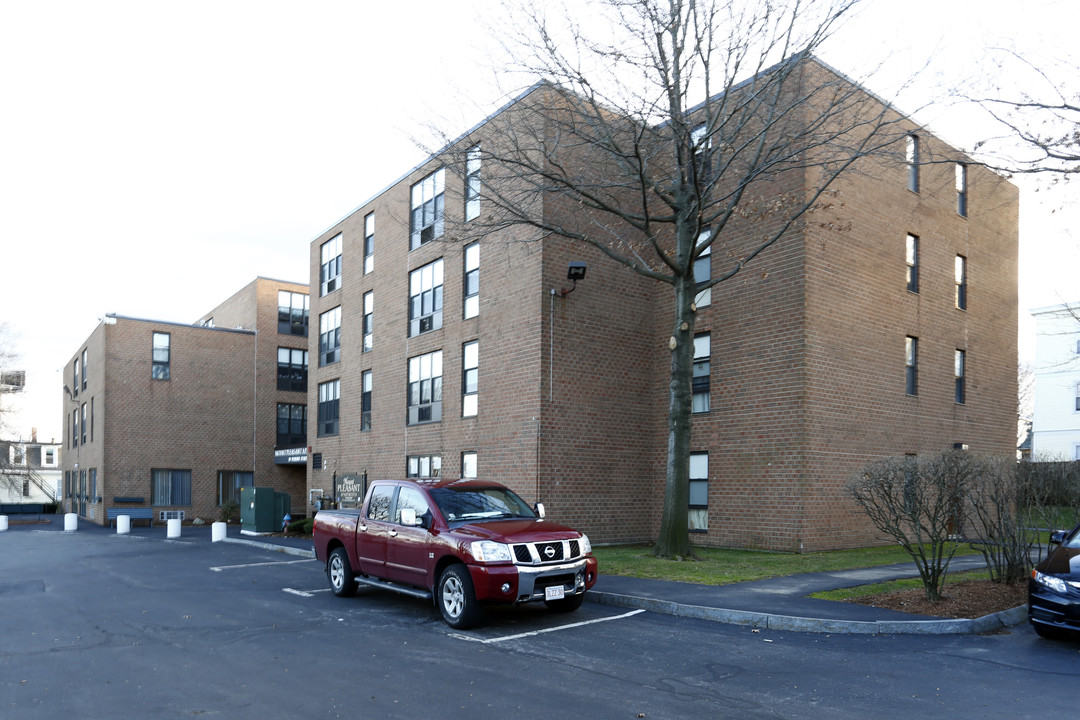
(542, 553)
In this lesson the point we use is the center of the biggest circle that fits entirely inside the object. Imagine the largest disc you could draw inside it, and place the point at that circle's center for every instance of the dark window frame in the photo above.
(427, 216)
(329, 417)
(330, 267)
(911, 365)
(161, 356)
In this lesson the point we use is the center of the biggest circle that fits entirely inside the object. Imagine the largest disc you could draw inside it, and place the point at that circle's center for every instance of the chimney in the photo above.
(33, 434)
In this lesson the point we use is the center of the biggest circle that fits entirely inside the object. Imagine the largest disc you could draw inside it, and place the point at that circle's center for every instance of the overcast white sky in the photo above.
(156, 157)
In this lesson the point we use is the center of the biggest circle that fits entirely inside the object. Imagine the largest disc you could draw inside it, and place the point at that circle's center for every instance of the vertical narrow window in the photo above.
(471, 286)
(330, 270)
(75, 428)
(369, 243)
(960, 274)
(85, 368)
(703, 270)
(76, 378)
(329, 407)
(161, 356)
(425, 388)
(365, 400)
(912, 257)
(292, 369)
(291, 425)
(912, 160)
(472, 183)
(292, 313)
(702, 154)
(369, 320)
(961, 189)
(470, 378)
(700, 382)
(330, 336)
(468, 464)
(698, 517)
(426, 218)
(91, 419)
(82, 420)
(1077, 406)
(426, 298)
(959, 374)
(911, 363)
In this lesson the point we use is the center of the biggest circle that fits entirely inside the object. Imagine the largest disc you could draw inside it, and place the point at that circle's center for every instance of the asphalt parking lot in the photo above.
(100, 625)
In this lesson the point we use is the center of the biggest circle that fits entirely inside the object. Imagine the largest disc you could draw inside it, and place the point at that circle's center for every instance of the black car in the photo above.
(1054, 588)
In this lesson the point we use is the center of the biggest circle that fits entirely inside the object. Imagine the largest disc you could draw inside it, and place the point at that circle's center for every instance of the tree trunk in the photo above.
(673, 539)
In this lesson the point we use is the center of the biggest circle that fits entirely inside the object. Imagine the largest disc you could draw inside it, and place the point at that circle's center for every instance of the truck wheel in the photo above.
(567, 604)
(457, 601)
(342, 579)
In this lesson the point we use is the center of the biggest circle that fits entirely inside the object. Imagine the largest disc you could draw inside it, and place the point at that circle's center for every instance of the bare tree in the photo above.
(698, 131)
(919, 503)
(998, 502)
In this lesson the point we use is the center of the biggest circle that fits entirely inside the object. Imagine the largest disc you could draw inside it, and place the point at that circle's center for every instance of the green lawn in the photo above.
(721, 567)
(842, 594)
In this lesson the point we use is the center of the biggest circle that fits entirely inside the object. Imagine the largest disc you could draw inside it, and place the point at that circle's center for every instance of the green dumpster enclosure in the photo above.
(262, 510)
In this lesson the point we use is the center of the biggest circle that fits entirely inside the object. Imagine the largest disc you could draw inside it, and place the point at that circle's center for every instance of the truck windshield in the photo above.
(480, 503)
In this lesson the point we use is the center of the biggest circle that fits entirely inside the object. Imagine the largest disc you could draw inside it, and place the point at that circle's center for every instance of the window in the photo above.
(75, 428)
(292, 369)
(426, 298)
(468, 464)
(472, 183)
(470, 378)
(369, 243)
(49, 459)
(329, 407)
(365, 400)
(91, 419)
(292, 313)
(83, 418)
(379, 506)
(698, 518)
(170, 487)
(159, 369)
(960, 274)
(1077, 397)
(17, 454)
(291, 425)
(912, 255)
(92, 477)
(959, 360)
(425, 388)
(410, 498)
(229, 484)
(911, 362)
(330, 336)
(76, 377)
(423, 466)
(700, 381)
(703, 270)
(912, 159)
(471, 286)
(702, 146)
(330, 270)
(426, 219)
(961, 189)
(84, 369)
(369, 322)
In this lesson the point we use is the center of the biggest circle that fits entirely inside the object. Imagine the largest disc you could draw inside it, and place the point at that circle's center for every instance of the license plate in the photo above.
(555, 592)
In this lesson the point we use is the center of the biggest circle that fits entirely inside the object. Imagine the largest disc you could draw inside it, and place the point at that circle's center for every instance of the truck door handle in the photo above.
(392, 533)
(363, 528)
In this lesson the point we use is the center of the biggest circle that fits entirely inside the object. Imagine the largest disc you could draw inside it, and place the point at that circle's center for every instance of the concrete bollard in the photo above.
(71, 522)
(217, 532)
(3, 523)
(123, 524)
(173, 528)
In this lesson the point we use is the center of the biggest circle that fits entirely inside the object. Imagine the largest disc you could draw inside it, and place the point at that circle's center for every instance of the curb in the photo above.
(287, 549)
(988, 623)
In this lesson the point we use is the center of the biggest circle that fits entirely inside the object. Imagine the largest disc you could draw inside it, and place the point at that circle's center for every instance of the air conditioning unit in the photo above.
(164, 515)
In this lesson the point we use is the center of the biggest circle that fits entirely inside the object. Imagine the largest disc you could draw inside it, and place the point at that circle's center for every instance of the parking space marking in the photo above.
(304, 593)
(219, 568)
(492, 641)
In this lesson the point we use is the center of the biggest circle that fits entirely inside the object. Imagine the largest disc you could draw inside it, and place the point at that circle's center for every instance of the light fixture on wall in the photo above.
(575, 272)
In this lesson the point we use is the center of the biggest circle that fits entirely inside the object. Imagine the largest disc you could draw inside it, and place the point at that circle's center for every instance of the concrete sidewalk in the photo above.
(777, 603)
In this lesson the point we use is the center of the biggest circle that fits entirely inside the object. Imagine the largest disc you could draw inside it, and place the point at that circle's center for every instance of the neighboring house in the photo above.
(30, 477)
(894, 336)
(172, 419)
(1056, 427)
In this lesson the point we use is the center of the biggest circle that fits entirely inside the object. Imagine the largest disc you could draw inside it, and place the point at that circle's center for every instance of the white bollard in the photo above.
(3, 523)
(174, 528)
(71, 522)
(123, 524)
(217, 532)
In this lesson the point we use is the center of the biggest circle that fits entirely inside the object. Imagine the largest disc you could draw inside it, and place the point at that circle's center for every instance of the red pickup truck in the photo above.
(461, 542)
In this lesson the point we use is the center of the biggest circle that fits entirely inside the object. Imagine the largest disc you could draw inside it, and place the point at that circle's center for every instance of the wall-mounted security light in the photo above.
(575, 272)
(960, 446)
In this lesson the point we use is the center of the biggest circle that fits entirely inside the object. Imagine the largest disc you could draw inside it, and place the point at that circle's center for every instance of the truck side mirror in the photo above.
(408, 517)
(538, 508)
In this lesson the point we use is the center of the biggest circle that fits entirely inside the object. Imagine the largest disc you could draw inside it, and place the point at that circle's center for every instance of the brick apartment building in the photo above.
(168, 420)
(896, 336)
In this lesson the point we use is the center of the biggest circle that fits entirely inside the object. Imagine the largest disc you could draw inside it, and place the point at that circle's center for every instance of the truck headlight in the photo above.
(586, 546)
(486, 551)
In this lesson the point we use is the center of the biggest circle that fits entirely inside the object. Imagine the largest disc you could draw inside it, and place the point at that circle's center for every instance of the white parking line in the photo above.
(491, 641)
(304, 593)
(219, 568)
